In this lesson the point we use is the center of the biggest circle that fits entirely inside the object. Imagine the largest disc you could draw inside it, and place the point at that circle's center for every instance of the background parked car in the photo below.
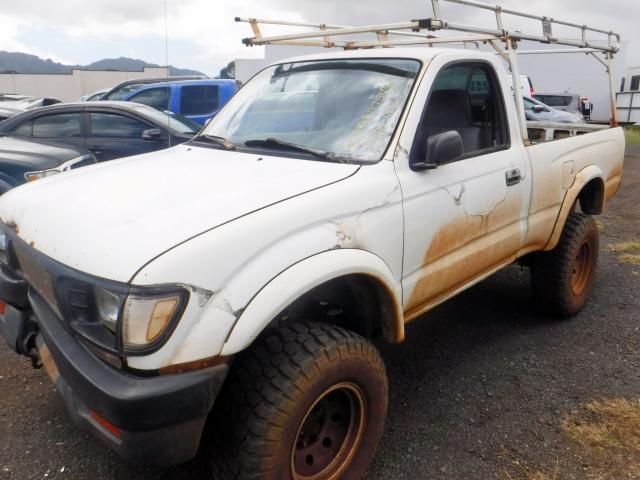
(8, 112)
(198, 100)
(538, 111)
(526, 85)
(13, 97)
(109, 129)
(94, 96)
(120, 91)
(10, 108)
(568, 102)
(23, 160)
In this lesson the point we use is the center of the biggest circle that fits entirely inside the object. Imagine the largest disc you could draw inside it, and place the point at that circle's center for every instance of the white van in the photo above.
(526, 85)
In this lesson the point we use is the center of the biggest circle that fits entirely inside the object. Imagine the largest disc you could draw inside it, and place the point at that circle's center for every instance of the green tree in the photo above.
(229, 71)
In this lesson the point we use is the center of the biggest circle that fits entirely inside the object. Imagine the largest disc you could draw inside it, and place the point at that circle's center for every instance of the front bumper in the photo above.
(151, 420)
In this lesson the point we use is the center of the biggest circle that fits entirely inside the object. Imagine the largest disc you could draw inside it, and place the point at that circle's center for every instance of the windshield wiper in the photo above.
(277, 143)
(217, 140)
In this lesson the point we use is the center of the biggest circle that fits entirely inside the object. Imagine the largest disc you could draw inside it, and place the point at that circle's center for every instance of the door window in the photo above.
(111, 125)
(199, 100)
(157, 98)
(25, 129)
(465, 98)
(63, 125)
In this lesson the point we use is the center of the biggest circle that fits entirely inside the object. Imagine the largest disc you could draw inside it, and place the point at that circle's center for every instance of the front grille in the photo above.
(78, 298)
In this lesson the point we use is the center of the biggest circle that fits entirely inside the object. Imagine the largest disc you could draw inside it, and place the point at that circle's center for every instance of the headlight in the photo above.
(145, 319)
(124, 319)
(108, 307)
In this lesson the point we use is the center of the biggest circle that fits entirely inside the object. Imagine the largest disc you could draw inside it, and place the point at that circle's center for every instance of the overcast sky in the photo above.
(203, 35)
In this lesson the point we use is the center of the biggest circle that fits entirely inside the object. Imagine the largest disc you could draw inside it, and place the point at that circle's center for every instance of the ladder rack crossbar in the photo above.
(415, 28)
(472, 3)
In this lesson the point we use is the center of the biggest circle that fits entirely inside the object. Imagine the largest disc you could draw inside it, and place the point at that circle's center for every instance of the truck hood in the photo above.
(111, 219)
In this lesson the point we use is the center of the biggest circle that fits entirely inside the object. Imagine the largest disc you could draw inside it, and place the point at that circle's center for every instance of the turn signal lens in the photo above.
(146, 318)
(160, 317)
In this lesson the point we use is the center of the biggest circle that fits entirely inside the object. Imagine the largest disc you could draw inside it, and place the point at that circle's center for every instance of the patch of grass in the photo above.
(632, 134)
(609, 432)
(607, 446)
(629, 252)
(521, 470)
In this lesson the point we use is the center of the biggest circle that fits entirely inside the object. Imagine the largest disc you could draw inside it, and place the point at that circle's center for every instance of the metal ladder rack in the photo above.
(419, 32)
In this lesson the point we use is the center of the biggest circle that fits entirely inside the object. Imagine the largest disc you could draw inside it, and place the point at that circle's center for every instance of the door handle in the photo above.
(513, 177)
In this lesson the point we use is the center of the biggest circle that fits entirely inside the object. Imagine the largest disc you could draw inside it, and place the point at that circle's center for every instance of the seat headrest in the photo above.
(449, 109)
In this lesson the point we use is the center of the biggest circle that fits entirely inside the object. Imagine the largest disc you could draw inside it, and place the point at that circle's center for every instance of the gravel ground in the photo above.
(478, 391)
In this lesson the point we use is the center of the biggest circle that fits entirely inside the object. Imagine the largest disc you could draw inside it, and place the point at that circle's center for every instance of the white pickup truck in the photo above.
(242, 278)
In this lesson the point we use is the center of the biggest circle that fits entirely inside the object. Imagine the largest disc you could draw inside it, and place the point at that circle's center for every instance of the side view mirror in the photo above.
(539, 108)
(152, 134)
(440, 149)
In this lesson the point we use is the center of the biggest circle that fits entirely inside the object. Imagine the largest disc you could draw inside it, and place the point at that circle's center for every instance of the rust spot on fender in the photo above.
(613, 182)
(191, 366)
(392, 325)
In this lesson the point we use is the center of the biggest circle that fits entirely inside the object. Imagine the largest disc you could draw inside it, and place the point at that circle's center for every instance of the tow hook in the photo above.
(29, 346)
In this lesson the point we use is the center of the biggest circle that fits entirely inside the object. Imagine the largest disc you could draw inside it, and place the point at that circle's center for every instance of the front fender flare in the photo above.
(299, 279)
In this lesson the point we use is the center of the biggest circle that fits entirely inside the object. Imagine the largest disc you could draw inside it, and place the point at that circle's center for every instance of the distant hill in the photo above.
(14, 62)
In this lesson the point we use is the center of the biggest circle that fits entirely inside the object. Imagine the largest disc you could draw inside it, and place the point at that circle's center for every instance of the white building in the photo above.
(571, 72)
(70, 87)
(629, 96)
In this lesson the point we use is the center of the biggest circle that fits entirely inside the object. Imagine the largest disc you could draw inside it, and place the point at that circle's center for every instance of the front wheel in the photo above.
(562, 278)
(308, 402)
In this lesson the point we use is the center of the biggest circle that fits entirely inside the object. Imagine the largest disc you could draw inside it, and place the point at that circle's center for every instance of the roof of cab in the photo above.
(417, 53)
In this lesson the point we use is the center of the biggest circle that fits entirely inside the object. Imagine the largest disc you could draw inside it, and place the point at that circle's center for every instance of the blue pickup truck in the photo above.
(198, 100)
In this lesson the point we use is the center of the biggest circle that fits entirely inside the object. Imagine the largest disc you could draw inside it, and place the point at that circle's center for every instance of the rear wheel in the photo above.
(562, 278)
(308, 402)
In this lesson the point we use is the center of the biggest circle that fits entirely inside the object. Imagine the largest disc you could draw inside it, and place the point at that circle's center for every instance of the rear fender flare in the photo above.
(585, 176)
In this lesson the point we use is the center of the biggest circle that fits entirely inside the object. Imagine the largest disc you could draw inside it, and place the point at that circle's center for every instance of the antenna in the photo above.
(166, 66)
(166, 39)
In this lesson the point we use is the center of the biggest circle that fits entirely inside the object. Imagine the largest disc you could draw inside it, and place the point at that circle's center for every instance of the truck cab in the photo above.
(198, 100)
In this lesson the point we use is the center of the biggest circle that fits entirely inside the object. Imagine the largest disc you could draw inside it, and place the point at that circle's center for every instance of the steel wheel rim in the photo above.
(329, 434)
(582, 267)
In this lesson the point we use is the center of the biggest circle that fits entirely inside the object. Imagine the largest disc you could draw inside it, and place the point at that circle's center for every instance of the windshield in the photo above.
(349, 108)
(555, 100)
(123, 91)
(175, 122)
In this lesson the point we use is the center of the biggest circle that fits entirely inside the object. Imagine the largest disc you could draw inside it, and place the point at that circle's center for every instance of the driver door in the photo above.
(466, 217)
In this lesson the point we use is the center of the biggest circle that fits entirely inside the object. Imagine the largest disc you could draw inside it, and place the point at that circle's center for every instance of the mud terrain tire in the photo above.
(307, 401)
(563, 277)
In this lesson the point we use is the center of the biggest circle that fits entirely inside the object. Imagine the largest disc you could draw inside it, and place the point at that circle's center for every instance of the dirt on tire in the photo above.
(274, 386)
